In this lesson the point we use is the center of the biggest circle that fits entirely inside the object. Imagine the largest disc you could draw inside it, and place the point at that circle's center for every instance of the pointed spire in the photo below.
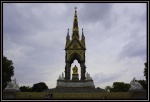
(75, 25)
(67, 38)
(83, 38)
(68, 32)
(82, 34)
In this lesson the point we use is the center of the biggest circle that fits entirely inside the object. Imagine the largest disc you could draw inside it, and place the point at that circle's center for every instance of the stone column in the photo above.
(67, 71)
(83, 71)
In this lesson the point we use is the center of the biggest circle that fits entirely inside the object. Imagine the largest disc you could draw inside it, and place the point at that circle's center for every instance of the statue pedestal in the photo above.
(74, 83)
(9, 93)
(75, 77)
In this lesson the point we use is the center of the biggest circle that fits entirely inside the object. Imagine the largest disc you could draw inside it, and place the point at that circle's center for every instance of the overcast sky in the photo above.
(34, 38)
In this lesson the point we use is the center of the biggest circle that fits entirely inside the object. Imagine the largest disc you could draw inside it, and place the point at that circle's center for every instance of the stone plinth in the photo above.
(75, 82)
(75, 77)
(9, 93)
(87, 83)
(10, 90)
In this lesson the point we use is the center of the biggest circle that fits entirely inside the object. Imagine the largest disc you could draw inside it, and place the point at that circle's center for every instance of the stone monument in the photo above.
(75, 50)
(135, 85)
(137, 90)
(12, 85)
(10, 90)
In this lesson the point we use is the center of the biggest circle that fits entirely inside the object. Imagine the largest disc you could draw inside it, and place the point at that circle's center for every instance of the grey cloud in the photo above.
(93, 12)
(136, 47)
(104, 78)
(29, 19)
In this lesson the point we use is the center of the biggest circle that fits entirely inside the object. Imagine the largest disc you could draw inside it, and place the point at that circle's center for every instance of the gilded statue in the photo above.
(75, 70)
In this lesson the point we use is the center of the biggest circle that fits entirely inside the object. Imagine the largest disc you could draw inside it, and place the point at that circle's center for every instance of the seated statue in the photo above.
(75, 70)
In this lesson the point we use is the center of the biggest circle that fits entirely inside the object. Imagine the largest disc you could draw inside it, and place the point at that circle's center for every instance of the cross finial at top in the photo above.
(75, 7)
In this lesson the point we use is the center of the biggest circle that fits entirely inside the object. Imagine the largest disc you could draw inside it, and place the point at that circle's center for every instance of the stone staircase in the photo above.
(74, 90)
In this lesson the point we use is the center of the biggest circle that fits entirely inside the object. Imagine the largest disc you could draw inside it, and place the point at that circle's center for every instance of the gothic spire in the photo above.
(68, 33)
(83, 38)
(75, 25)
(67, 38)
(82, 34)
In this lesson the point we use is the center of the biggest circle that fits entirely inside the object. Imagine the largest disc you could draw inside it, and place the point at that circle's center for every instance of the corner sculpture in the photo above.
(12, 85)
(135, 86)
(11, 89)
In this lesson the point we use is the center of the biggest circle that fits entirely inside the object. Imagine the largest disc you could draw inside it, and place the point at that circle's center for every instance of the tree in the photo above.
(7, 71)
(145, 72)
(25, 89)
(39, 87)
(143, 83)
(120, 87)
(108, 88)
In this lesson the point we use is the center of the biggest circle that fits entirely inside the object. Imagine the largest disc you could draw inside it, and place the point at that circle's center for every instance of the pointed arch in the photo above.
(74, 56)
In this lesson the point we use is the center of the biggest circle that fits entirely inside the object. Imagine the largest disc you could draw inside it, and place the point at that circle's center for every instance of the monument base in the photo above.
(73, 83)
(74, 90)
(9, 93)
(75, 77)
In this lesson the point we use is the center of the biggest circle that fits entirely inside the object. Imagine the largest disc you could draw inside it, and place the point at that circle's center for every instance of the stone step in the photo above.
(75, 90)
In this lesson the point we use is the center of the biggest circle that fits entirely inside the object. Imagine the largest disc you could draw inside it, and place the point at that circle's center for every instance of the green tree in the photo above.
(25, 89)
(39, 87)
(145, 72)
(120, 87)
(7, 71)
(108, 88)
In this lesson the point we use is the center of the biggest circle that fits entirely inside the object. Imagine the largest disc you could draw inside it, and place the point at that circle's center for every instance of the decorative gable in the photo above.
(75, 44)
